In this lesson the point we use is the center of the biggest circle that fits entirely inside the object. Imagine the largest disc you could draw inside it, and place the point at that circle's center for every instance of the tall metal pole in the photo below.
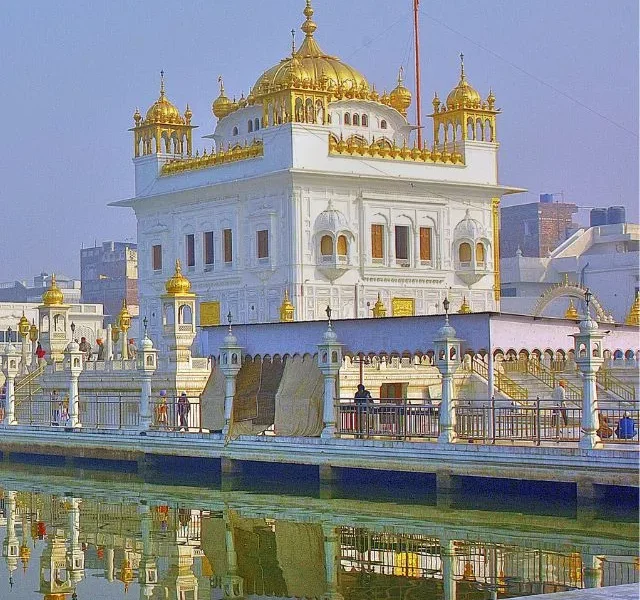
(417, 48)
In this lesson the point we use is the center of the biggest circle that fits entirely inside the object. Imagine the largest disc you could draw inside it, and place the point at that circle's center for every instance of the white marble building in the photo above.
(316, 187)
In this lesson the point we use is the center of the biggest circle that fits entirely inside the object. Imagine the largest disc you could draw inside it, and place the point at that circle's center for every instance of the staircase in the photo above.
(28, 386)
(502, 382)
(614, 387)
(534, 374)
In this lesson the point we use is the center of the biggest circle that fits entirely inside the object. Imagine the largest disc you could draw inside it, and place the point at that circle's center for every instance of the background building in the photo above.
(109, 275)
(536, 228)
(20, 291)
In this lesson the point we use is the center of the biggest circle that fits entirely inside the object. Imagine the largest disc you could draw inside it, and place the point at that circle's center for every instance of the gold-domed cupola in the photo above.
(222, 105)
(464, 116)
(178, 285)
(53, 295)
(400, 97)
(163, 129)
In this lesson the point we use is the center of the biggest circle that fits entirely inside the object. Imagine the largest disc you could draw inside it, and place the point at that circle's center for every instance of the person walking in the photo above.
(161, 410)
(184, 407)
(558, 396)
(40, 353)
(361, 399)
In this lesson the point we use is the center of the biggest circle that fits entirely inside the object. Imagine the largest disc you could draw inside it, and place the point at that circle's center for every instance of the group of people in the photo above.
(183, 408)
(87, 351)
(59, 409)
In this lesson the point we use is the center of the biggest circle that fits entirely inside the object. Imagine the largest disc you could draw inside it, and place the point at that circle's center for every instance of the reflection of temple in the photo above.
(238, 548)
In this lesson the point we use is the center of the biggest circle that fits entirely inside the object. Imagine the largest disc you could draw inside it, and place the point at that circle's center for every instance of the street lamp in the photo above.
(9, 331)
(446, 304)
(587, 299)
(145, 322)
(73, 330)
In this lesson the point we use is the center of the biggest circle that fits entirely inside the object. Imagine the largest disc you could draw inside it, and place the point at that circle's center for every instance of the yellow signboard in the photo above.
(209, 313)
(403, 307)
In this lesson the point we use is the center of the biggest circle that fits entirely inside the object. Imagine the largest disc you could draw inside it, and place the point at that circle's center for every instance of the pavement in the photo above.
(619, 592)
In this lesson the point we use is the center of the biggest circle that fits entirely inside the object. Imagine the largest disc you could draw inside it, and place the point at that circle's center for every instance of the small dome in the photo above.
(53, 296)
(146, 343)
(331, 219)
(469, 228)
(73, 346)
(446, 332)
(178, 284)
(400, 97)
(463, 95)
(588, 325)
(330, 336)
(571, 312)
(162, 111)
(221, 106)
(230, 339)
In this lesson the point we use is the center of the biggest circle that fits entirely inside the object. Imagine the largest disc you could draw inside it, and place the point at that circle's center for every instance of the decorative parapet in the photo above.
(384, 149)
(207, 160)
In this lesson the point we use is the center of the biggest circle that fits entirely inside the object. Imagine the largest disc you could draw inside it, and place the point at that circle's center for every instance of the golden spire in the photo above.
(633, 318)
(465, 309)
(379, 309)
(571, 312)
(461, 66)
(162, 84)
(178, 284)
(308, 26)
(463, 95)
(53, 296)
(286, 308)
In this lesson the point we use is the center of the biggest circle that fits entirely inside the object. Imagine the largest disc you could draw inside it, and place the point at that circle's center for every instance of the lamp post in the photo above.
(230, 364)
(11, 369)
(73, 331)
(33, 336)
(73, 360)
(147, 364)
(124, 322)
(329, 362)
(447, 359)
(589, 358)
(23, 330)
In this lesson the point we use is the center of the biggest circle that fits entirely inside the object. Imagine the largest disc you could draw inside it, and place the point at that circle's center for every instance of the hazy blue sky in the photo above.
(565, 73)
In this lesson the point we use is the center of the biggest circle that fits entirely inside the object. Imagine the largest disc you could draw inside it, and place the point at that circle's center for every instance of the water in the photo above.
(110, 535)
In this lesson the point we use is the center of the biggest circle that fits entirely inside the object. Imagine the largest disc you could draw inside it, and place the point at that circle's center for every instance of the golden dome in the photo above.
(221, 106)
(571, 312)
(309, 66)
(162, 111)
(379, 309)
(465, 309)
(53, 296)
(463, 94)
(400, 97)
(633, 318)
(178, 284)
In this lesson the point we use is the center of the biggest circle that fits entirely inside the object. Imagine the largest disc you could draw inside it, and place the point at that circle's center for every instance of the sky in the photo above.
(564, 72)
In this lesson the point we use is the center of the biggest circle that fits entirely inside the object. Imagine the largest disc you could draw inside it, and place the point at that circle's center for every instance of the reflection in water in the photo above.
(212, 545)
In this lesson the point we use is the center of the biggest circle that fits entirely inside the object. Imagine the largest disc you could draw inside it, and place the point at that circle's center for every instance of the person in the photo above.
(131, 349)
(64, 411)
(3, 401)
(604, 431)
(56, 407)
(161, 410)
(558, 395)
(40, 353)
(100, 349)
(85, 348)
(626, 429)
(361, 398)
(184, 407)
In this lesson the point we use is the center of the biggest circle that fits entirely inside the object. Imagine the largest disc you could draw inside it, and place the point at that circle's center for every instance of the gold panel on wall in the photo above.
(403, 307)
(209, 313)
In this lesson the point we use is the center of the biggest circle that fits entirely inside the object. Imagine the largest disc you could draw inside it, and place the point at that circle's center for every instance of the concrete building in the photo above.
(536, 228)
(109, 275)
(20, 291)
(316, 190)
(604, 259)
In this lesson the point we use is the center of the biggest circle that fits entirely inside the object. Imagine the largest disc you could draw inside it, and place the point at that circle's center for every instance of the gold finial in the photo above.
(571, 312)
(286, 308)
(633, 318)
(308, 26)
(162, 84)
(465, 309)
(53, 296)
(400, 75)
(293, 42)
(221, 82)
(379, 309)
(461, 66)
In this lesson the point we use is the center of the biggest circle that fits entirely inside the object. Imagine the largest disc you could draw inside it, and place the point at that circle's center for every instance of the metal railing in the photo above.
(387, 417)
(615, 385)
(28, 385)
(485, 420)
(109, 411)
(503, 383)
(552, 379)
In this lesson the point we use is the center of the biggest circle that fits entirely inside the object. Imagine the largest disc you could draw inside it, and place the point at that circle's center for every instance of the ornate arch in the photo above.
(566, 289)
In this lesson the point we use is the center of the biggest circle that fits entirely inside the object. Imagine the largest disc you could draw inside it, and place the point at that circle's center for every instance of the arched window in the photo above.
(235, 131)
(383, 124)
(464, 252)
(356, 119)
(185, 315)
(326, 245)
(470, 135)
(480, 258)
(256, 124)
(479, 133)
(250, 126)
(488, 131)
(365, 121)
(347, 119)
(342, 245)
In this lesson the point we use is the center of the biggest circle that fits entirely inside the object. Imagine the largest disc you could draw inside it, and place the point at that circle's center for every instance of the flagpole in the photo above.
(417, 49)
